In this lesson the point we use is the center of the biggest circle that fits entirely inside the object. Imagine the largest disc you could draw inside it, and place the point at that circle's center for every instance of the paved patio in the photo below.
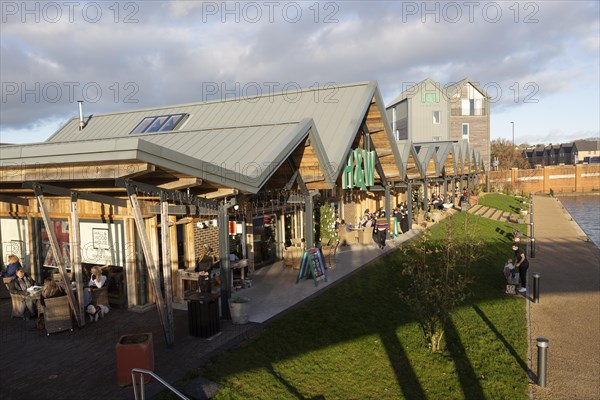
(82, 363)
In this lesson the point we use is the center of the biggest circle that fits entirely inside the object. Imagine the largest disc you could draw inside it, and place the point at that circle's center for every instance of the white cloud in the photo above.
(176, 48)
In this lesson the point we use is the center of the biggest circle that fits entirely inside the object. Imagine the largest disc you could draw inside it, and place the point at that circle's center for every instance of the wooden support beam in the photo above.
(165, 234)
(75, 239)
(221, 193)
(226, 273)
(71, 172)
(60, 191)
(181, 183)
(56, 251)
(14, 200)
(150, 263)
(173, 195)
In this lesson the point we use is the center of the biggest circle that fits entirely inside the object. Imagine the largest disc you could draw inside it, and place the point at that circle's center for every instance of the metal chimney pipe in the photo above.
(81, 123)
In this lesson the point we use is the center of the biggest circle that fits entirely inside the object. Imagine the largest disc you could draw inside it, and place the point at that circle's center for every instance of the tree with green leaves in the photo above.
(508, 156)
(439, 273)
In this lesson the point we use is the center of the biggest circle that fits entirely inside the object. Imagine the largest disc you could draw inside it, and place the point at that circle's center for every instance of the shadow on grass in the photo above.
(407, 379)
(291, 388)
(508, 346)
(469, 381)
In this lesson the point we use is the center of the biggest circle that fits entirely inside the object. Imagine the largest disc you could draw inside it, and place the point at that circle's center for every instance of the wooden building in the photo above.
(148, 192)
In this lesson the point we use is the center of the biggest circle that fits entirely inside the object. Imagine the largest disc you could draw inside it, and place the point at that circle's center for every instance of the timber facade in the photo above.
(150, 193)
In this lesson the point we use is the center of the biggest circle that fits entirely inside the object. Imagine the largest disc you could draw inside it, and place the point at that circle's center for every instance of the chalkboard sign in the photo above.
(312, 266)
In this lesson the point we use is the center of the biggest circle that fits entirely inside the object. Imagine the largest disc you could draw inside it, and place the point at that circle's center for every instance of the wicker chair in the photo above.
(57, 315)
(4, 293)
(18, 306)
(100, 296)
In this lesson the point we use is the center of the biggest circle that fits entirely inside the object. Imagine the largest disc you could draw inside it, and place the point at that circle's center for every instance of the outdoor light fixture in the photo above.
(236, 207)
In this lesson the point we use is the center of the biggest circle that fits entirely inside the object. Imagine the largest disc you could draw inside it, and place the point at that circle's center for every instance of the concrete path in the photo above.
(568, 313)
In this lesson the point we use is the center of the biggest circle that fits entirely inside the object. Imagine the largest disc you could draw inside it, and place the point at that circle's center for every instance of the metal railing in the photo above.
(143, 372)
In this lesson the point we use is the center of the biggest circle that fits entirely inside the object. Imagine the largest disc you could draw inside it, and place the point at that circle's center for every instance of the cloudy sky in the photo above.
(538, 60)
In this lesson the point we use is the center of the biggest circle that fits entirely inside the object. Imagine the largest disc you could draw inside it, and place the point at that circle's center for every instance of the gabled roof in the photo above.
(448, 92)
(587, 145)
(337, 113)
(408, 152)
(416, 89)
(455, 88)
(427, 155)
(246, 164)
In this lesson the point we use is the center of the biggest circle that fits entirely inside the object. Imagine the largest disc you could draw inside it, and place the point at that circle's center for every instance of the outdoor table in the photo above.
(203, 314)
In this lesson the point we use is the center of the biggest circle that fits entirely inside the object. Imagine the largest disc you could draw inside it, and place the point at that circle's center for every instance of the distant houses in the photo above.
(577, 152)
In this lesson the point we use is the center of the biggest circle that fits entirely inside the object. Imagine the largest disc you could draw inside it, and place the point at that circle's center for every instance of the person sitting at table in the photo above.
(19, 286)
(50, 289)
(97, 281)
(12, 266)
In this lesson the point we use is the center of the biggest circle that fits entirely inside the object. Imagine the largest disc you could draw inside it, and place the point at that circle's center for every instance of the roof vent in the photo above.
(81, 122)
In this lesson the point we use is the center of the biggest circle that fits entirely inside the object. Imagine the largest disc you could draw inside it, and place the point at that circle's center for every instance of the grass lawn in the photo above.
(504, 202)
(359, 341)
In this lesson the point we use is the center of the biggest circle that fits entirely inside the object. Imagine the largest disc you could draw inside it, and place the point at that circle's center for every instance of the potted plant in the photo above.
(239, 309)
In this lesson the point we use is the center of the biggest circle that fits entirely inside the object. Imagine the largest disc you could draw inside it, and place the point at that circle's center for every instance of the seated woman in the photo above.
(12, 266)
(50, 289)
(19, 286)
(97, 281)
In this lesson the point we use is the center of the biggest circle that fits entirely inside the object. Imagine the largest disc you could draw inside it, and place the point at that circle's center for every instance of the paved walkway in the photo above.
(568, 312)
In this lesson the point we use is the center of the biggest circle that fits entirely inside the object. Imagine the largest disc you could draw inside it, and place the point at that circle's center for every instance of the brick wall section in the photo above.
(208, 236)
(559, 178)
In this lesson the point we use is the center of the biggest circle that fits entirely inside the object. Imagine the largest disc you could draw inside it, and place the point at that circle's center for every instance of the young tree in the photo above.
(439, 276)
(507, 155)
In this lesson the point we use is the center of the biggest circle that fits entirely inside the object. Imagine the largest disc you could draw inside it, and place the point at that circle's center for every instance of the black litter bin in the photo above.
(203, 314)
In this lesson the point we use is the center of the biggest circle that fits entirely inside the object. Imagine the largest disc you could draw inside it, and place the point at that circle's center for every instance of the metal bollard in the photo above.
(542, 345)
(536, 287)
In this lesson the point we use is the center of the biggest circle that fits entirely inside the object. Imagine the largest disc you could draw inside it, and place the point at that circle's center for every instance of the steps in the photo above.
(492, 213)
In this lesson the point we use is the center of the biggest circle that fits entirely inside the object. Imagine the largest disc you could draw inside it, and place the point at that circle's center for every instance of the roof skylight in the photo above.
(160, 123)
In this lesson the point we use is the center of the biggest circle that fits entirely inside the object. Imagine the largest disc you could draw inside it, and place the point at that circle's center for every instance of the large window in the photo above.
(161, 123)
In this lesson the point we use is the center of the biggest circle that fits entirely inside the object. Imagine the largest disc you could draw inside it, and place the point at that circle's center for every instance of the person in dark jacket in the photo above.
(18, 286)
(522, 263)
(13, 265)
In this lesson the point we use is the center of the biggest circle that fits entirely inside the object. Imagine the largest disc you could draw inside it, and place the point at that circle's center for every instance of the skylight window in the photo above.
(161, 123)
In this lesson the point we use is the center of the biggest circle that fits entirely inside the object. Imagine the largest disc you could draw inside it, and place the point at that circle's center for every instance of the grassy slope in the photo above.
(503, 202)
(358, 341)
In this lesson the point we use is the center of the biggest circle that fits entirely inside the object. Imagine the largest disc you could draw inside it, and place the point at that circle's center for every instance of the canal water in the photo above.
(585, 210)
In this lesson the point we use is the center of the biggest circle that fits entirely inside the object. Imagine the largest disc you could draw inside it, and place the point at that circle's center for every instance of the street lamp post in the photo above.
(513, 148)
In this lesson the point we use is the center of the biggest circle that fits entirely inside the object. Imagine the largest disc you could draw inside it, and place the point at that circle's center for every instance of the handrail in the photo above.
(158, 378)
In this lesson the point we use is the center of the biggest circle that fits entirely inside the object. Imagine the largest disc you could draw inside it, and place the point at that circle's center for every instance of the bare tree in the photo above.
(439, 276)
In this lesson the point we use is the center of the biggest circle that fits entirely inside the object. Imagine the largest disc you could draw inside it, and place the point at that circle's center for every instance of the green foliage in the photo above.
(439, 274)
(357, 341)
(327, 222)
(504, 202)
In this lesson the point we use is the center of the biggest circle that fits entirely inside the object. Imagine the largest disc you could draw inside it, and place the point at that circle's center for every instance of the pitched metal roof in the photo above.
(245, 163)
(337, 112)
